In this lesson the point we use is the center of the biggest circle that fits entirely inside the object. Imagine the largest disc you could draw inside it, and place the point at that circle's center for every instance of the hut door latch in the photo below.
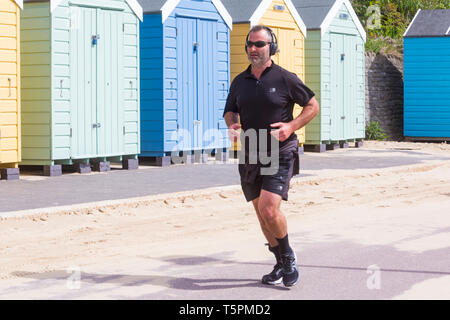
(342, 56)
(196, 45)
(95, 39)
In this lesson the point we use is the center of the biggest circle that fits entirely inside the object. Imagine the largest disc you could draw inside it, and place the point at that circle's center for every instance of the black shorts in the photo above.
(277, 183)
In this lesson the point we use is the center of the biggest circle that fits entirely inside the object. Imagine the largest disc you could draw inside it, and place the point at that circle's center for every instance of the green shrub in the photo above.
(375, 132)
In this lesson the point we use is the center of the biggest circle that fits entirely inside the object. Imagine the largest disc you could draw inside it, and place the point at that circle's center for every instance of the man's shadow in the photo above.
(171, 282)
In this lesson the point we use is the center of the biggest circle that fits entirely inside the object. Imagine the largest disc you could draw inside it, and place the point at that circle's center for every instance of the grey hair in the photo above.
(259, 28)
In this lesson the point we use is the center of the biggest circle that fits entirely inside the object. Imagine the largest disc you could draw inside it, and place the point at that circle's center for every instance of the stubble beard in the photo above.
(258, 62)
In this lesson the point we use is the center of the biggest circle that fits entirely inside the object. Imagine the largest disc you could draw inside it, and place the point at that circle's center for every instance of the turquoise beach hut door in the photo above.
(97, 78)
(196, 82)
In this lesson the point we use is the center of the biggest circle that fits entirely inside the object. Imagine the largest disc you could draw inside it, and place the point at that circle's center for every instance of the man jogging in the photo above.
(263, 96)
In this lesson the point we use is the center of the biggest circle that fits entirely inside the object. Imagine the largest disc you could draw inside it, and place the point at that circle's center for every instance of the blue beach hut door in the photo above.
(196, 82)
(96, 42)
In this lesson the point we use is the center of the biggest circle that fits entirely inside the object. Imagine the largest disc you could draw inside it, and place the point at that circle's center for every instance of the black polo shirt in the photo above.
(268, 100)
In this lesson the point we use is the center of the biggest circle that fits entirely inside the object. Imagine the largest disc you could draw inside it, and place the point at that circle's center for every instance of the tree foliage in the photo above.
(395, 16)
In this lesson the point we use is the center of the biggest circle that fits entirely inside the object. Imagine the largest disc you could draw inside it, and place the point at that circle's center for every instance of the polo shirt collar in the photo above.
(250, 74)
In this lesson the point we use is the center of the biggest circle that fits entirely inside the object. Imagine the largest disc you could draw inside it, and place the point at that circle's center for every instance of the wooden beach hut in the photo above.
(426, 68)
(80, 83)
(185, 79)
(10, 138)
(335, 71)
(289, 28)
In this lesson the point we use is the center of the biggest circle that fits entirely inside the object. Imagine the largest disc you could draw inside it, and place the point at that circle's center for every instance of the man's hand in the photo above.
(233, 132)
(283, 132)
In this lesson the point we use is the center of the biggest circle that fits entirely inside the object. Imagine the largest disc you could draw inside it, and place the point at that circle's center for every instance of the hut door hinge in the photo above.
(123, 130)
(71, 132)
(176, 32)
(217, 35)
(123, 27)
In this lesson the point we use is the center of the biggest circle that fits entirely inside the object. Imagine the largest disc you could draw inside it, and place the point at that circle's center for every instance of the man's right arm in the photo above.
(231, 118)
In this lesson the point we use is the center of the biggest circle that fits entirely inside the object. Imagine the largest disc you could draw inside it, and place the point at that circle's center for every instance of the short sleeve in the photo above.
(231, 105)
(299, 92)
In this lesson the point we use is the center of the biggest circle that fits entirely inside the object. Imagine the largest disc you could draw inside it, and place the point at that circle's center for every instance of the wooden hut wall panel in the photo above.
(36, 84)
(427, 76)
(131, 123)
(62, 86)
(152, 94)
(10, 124)
(237, 54)
(313, 47)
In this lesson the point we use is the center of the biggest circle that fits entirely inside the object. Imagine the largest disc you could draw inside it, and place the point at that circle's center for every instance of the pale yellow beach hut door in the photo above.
(291, 59)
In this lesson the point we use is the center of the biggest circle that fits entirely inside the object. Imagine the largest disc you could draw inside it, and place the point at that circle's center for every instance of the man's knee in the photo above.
(269, 211)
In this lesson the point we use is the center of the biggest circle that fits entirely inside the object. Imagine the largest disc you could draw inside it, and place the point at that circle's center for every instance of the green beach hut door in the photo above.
(343, 76)
(96, 42)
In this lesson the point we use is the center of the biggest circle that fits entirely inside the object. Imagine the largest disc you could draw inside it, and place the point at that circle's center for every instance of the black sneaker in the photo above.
(290, 271)
(275, 276)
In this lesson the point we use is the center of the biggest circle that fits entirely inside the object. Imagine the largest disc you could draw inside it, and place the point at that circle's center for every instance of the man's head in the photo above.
(259, 44)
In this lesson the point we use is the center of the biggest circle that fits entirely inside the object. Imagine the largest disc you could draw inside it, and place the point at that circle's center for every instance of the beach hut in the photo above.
(10, 152)
(80, 83)
(185, 79)
(335, 71)
(426, 68)
(289, 28)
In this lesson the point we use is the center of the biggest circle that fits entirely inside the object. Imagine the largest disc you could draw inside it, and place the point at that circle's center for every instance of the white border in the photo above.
(54, 4)
(224, 13)
(259, 12)
(332, 13)
(167, 8)
(296, 16)
(170, 5)
(412, 21)
(262, 8)
(19, 3)
(134, 5)
(137, 9)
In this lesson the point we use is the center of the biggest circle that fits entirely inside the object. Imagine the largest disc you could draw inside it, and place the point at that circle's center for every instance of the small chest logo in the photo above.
(272, 90)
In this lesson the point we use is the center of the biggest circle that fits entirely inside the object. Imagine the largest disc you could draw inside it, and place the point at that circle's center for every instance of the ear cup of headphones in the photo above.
(273, 45)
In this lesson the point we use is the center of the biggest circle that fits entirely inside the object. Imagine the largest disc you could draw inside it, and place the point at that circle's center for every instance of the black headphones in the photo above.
(273, 44)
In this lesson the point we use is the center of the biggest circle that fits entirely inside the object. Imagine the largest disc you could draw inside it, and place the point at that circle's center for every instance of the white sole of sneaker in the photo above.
(274, 282)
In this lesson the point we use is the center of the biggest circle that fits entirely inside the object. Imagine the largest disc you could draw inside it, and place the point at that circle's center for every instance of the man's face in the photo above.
(259, 56)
